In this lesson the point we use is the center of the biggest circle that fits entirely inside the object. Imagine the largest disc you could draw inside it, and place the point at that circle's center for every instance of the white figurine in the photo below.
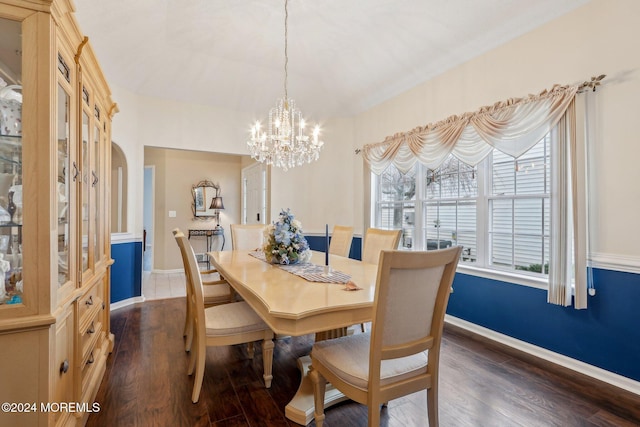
(5, 266)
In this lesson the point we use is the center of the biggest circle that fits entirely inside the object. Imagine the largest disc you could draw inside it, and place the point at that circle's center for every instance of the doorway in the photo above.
(254, 194)
(147, 220)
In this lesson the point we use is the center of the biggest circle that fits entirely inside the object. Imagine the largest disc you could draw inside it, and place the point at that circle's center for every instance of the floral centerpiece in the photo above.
(284, 242)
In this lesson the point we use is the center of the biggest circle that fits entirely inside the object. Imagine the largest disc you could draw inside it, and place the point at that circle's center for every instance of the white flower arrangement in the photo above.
(284, 242)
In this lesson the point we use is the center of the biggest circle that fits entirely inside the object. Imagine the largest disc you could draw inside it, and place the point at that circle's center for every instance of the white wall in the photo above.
(321, 192)
(144, 121)
(601, 37)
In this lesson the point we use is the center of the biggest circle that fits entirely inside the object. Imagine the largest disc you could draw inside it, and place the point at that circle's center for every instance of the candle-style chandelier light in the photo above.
(285, 143)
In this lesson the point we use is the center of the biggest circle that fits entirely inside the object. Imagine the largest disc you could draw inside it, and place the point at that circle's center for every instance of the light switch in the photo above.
(172, 214)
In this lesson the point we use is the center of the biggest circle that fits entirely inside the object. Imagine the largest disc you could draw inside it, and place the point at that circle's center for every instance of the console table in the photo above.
(208, 234)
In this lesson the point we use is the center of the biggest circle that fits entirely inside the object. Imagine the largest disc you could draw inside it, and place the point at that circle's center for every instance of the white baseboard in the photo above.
(126, 302)
(559, 359)
(628, 264)
(156, 271)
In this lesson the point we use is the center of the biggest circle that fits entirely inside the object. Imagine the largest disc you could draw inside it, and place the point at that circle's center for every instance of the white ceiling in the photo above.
(345, 56)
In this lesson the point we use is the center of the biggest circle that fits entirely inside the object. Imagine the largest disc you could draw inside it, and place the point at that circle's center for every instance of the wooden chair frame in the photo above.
(201, 339)
(217, 292)
(341, 239)
(376, 240)
(376, 394)
(237, 229)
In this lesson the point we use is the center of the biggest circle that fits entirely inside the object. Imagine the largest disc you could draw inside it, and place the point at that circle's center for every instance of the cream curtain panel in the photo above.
(513, 127)
(569, 244)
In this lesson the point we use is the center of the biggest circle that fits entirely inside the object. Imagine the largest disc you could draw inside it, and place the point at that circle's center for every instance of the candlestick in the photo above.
(327, 268)
(326, 253)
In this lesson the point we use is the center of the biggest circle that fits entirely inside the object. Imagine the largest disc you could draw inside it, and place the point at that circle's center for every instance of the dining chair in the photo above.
(376, 240)
(341, 239)
(401, 353)
(222, 325)
(247, 236)
(215, 292)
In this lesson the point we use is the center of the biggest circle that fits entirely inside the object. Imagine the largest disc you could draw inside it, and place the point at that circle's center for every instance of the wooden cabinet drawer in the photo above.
(88, 368)
(89, 301)
(89, 338)
(93, 370)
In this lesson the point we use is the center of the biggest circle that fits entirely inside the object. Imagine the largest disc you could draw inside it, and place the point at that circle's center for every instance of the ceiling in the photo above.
(345, 56)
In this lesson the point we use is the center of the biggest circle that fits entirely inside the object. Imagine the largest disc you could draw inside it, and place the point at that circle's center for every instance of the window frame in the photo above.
(482, 267)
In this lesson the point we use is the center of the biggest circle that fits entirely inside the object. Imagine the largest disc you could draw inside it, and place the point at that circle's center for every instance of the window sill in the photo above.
(504, 276)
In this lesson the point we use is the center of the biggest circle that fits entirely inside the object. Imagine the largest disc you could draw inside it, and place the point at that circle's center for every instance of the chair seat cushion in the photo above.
(232, 319)
(348, 358)
(217, 293)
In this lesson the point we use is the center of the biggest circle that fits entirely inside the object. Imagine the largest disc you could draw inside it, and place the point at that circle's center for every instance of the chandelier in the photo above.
(285, 143)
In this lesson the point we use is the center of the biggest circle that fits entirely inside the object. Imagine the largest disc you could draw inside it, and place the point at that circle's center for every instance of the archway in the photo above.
(119, 190)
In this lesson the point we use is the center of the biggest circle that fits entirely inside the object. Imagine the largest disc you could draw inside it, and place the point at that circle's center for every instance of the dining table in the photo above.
(293, 305)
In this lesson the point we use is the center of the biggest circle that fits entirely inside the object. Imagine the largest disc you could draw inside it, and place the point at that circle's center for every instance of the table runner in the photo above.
(308, 271)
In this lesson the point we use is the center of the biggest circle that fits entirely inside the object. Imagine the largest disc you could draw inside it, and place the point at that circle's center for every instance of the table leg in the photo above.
(300, 409)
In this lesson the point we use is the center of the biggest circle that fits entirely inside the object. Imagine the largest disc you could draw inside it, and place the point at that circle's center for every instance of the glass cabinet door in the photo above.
(11, 285)
(63, 186)
(86, 185)
(95, 187)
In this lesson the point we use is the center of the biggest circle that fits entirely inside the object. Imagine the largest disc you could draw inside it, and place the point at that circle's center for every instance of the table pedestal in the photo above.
(300, 409)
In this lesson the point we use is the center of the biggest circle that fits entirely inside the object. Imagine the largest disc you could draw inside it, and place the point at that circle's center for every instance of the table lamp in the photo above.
(216, 203)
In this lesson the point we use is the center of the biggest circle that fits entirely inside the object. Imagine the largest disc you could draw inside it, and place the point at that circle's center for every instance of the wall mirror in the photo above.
(207, 201)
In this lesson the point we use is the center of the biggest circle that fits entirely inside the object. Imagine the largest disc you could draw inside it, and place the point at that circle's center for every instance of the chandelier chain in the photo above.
(286, 43)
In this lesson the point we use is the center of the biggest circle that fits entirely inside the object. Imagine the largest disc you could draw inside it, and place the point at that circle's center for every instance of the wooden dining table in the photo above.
(292, 305)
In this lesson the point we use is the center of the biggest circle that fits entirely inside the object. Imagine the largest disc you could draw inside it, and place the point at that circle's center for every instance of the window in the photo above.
(518, 205)
(396, 199)
(498, 211)
(450, 207)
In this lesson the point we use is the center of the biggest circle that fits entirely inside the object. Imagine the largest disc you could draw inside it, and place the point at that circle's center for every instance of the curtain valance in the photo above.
(512, 126)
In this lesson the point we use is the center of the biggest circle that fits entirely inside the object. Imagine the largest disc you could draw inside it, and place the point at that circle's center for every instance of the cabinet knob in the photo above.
(91, 329)
(91, 360)
(95, 179)
(90, 300)
(64, 366)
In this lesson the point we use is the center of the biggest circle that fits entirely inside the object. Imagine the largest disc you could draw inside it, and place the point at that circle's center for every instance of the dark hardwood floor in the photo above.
(481, 384)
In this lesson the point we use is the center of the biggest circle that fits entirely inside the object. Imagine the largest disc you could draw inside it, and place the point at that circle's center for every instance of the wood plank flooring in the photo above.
(481, 384)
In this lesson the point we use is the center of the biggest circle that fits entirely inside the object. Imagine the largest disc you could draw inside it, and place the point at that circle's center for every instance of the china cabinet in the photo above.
(55, 146)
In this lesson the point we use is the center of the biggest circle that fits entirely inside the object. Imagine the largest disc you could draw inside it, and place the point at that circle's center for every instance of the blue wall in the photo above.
(606, 335)
(317, 243)
(126, 271)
